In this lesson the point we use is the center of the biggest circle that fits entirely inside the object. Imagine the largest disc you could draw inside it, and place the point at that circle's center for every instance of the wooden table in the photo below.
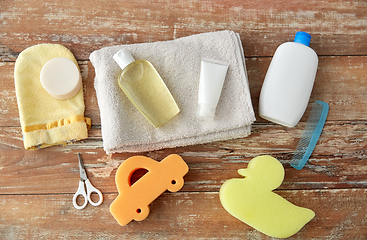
(36, 187)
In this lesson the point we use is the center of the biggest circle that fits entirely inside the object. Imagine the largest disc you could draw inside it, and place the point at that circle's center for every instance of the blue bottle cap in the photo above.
(303, 37)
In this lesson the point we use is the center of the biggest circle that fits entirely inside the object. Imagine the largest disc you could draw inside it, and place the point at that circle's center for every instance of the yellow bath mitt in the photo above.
(45, 120)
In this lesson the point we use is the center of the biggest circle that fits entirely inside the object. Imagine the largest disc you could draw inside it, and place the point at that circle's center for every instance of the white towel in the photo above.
(125, 129)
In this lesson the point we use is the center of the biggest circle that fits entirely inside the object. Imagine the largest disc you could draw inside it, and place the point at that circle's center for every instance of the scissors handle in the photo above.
(80, 192)
(91, 189)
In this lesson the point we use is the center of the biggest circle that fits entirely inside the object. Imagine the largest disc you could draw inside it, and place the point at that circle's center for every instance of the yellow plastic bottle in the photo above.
(145, 88)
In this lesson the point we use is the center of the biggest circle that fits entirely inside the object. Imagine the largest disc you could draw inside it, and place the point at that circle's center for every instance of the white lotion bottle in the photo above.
(289, 81)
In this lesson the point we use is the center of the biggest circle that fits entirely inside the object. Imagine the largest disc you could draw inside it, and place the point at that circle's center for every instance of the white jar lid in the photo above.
(61, 78)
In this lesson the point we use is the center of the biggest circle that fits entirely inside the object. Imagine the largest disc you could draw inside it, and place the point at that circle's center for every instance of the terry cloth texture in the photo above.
(124, 128)
(46, 121)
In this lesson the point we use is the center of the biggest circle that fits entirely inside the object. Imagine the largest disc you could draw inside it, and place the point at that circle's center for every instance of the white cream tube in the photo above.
(212, 75)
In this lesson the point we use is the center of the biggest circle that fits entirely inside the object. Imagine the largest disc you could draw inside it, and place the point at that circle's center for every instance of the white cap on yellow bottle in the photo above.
(61, 78)
(123, 58)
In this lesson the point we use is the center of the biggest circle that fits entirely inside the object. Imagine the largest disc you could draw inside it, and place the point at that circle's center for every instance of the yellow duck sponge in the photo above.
(251, 200)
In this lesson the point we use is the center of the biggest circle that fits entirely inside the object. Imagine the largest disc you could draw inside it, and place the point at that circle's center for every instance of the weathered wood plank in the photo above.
(346, 97)
(338, 161)
(181, 215)
(338, 27)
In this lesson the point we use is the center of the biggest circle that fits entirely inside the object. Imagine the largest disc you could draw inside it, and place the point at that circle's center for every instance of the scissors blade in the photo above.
(83, 174)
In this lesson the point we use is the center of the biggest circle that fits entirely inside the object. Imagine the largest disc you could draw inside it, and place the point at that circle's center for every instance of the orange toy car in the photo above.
(133, 201)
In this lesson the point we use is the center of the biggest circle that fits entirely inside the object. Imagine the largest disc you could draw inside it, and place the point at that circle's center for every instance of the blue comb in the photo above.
(311, 134)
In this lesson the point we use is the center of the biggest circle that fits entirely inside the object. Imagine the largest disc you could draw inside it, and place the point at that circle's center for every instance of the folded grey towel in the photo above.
(124, 128)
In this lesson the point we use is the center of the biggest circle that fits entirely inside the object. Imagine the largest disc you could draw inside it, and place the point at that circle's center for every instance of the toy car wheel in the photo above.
(141, 213)
(175, 185)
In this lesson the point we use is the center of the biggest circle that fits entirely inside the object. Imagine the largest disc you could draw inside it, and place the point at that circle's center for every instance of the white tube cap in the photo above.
(61, 78)
(123, 58)
(206, 111)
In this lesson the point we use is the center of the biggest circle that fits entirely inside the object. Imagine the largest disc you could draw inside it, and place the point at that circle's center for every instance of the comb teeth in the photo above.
(310, 134)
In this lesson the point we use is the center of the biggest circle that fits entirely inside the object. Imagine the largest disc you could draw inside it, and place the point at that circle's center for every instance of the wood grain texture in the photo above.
(338, 27)
(36, 187)
(338, 161)
(182, 215)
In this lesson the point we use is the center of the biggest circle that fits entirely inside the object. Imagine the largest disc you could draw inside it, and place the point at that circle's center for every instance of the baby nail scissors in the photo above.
(90, 189)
